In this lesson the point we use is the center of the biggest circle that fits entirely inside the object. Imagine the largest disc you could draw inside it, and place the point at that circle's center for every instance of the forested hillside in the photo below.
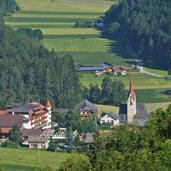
(145, 25)
(28, 71)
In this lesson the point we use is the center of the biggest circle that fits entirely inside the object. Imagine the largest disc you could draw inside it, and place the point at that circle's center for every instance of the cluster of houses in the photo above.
(34, 120)
(104, 68)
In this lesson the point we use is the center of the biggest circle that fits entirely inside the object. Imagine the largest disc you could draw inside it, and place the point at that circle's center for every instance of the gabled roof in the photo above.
(31, 132)
(85, 105)
(25, 107)
(114, 117)
(11, 120)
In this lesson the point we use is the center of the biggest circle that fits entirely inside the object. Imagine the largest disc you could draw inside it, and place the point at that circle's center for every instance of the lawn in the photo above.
(26, 159)
(156, 71)
(140, 81)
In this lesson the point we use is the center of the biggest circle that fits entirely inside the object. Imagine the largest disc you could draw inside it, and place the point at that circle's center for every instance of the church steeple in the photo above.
(131, 101)
(131, 89)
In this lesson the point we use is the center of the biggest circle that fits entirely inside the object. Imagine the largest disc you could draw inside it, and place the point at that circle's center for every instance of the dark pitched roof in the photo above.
(140, 109)
(26, 107)
(85, 105)
(31, 132)
(11, 120)
(123, 109)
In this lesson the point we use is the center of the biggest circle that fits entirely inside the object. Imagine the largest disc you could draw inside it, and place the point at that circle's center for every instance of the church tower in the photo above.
(131, 101)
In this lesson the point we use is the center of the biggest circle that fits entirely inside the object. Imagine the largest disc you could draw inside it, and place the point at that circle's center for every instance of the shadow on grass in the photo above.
(117, 48)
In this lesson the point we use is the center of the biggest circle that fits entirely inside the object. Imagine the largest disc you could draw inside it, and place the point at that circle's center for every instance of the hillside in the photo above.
(57, 19)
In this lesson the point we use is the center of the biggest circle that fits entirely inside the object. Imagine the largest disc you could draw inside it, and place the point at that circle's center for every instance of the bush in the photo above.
(10, 144)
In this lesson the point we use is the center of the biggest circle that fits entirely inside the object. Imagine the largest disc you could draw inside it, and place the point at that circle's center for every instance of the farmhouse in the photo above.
(86, 109)
(35, 114)
(133, 113)
(38, 142)
(100, 22)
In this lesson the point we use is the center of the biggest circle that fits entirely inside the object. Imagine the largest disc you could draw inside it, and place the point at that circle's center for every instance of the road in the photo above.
(139, 62)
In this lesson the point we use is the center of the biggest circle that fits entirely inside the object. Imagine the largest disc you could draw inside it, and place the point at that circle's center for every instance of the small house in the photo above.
(86, 109)
(100, 22)
(110, 118)
(38, 142)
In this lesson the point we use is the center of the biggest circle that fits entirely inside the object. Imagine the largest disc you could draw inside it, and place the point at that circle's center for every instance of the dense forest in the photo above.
(145, 25)
(28, 71)
(128, 148)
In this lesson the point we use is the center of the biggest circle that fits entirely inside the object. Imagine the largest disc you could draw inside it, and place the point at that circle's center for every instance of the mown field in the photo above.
(29, 160)
(57, 18)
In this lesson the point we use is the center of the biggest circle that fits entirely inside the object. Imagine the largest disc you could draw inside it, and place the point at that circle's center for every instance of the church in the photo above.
(133, 113)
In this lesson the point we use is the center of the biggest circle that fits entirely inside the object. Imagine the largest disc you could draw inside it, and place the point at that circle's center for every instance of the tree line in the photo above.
(145, 26)
(112, 92)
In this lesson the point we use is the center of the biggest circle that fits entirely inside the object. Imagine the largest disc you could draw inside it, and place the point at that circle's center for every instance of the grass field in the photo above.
(26, 159)
(57, 18)
(140, 81)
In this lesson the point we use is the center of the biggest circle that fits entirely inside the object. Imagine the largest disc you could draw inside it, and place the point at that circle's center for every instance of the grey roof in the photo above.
(31, 132)
(37, 139)
(89, 138)
(61, 110)
(141, 111)
(7, 120)
(113, 116)
(24, 108)
(100, 67)
(85, 105)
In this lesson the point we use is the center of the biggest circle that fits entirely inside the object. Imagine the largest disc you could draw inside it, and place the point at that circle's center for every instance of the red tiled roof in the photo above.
(131, 89)
(2, 112)
(5, 130)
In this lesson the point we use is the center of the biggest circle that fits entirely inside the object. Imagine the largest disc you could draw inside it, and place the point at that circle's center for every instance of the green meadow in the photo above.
(30, 160)
(57, 18)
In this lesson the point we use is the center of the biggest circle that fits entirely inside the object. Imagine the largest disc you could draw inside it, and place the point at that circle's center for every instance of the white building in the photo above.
(110, 118)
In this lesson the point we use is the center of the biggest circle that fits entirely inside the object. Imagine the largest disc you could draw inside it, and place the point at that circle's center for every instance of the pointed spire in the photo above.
(48, 104)
(131, 89)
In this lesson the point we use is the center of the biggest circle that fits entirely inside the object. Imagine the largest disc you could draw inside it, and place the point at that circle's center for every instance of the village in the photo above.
(38, 129)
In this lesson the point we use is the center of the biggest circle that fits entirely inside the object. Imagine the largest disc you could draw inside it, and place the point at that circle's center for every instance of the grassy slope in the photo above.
(56, 20)
(20, 158)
